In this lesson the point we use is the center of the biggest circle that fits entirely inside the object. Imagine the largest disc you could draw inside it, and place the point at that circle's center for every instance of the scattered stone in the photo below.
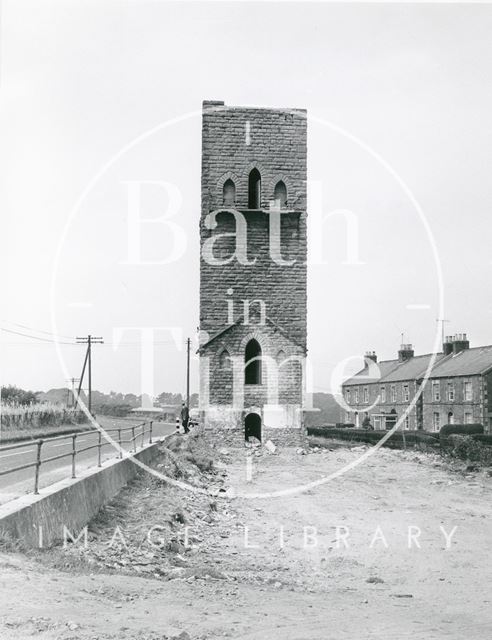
(375, 580)
(269, 446)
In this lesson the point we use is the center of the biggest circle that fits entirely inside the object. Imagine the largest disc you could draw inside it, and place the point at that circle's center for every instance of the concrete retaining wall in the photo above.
(69, 503)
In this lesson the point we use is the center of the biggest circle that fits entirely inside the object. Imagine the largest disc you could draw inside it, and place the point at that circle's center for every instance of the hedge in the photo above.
(399, 438)
(462, 429)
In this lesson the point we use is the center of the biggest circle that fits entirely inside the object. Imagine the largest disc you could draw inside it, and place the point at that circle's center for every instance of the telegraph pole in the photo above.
(89, 341)
(188, 345)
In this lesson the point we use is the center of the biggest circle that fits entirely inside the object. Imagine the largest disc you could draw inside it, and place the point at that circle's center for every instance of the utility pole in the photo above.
(89, 341)
(188, 345)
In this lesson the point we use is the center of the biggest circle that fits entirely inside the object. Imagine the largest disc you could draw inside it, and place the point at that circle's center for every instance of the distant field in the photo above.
(13, 433)
(35, 420)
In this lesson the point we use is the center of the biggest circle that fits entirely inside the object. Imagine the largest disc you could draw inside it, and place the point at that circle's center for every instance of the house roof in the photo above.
(465, 363)
(373, 373)
(468, 362)
(414, 368)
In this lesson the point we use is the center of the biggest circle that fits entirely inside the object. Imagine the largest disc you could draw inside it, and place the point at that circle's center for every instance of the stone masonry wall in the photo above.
(278, 147)
(234, 141)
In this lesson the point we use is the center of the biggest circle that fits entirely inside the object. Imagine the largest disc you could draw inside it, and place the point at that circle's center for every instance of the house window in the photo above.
(366, 395)
(436, 420)
(356, 395)
(468, 417)
(347, 396)
(280, 193)
(383, 394)
(229, 193)
(393, 393)
(252, 363)
(451, 391)
(436, 391)
(406, 393)
(407, 423)
(254, 190)
(450, 418)
(467, 391)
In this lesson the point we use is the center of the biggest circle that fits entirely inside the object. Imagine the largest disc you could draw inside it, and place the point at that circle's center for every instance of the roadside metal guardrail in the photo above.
(138, 433)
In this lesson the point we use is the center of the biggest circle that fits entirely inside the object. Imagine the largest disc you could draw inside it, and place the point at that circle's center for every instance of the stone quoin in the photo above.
(253, 299)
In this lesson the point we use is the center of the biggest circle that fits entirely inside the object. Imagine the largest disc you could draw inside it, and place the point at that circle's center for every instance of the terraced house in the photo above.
(458, 390)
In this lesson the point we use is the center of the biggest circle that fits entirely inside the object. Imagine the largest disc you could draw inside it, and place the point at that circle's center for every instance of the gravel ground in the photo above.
(332, 561)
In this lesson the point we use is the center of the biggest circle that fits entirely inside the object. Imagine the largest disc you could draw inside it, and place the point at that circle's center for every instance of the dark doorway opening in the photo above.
(391, 420)
(252, 426)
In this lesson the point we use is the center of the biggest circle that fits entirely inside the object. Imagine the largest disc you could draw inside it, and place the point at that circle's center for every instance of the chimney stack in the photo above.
(447, 347)
(405, 353)
(371, 355)
(460, 342)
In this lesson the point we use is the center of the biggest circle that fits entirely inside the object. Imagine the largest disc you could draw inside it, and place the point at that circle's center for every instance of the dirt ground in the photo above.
(269, 567)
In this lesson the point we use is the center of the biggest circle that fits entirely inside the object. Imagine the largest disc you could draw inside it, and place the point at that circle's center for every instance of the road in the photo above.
(20, 482)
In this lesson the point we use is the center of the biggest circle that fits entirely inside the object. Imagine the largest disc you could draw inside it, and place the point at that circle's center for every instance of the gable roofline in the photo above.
(468, 353)
(364, 380)
(440, 369)
(237, 322)
(398, 369)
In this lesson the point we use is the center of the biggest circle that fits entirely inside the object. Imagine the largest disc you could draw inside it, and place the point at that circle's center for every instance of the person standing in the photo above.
(185, 416)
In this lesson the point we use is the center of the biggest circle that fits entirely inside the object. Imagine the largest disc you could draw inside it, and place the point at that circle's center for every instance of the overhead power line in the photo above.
(26, 335)
(48, 333)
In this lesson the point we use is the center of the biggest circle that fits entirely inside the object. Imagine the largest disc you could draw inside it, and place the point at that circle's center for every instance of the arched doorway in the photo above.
(252, 426)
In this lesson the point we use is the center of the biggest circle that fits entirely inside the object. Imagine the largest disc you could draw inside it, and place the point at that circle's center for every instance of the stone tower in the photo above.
(253, 268)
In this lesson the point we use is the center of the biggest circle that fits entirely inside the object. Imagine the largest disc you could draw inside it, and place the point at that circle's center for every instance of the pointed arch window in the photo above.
(280, 193)
(229, 192)
(252, 363)
(254, 190)
(225, 359)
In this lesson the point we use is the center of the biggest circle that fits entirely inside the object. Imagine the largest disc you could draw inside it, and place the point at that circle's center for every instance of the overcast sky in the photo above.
(82, 81)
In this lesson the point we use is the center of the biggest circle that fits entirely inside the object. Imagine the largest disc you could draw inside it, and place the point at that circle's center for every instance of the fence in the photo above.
(138, 431)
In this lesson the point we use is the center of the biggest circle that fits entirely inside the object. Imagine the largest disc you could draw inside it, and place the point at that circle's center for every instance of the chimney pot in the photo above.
(460, 343)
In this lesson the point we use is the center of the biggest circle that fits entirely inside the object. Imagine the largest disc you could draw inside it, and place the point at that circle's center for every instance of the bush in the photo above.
(484, 439)
(467, 448)
(397, 439)
(116, 410)
(464, 429)
(16, 396)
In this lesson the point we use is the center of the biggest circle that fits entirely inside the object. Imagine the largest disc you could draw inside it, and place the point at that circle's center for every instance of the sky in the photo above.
(96, 95)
